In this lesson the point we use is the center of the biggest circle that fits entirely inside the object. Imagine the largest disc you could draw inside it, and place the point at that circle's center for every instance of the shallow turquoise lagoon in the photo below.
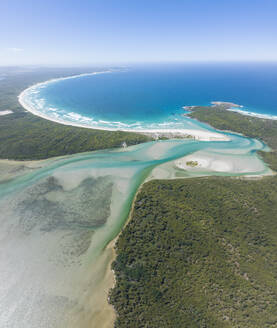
(58, 216)
(57, 220)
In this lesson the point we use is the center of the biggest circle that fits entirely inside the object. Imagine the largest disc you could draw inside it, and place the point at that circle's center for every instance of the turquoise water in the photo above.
(153, 96)
(58, 216)
(57, 219)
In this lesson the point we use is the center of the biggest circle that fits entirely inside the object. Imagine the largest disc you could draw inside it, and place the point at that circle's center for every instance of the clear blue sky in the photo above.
(72, 32)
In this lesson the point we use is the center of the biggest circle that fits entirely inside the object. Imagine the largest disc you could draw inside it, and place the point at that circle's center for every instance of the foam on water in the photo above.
(153, 97)
(249, 113)
(57, 217)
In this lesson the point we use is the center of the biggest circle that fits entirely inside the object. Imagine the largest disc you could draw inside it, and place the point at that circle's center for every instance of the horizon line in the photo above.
(138, 63)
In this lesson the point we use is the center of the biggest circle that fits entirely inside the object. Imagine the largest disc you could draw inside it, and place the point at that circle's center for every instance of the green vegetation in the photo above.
(253, 127)
(192, 163)
(270, 158)
(24, 136)
(199, 252)
(222, 119)
(202, 252)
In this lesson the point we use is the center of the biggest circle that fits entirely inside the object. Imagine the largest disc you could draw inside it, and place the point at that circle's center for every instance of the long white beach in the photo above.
(200, 135)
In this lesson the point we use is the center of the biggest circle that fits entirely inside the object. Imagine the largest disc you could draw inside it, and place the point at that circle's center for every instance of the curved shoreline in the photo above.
(108, 316)
(253, 114)
(36, 112)
(200, 135)
(235, 108)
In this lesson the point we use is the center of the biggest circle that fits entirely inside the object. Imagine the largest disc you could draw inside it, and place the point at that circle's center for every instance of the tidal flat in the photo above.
(59, 216)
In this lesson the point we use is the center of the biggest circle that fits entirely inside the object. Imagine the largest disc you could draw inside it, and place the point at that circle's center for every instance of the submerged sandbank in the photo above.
(82, 282)
(58, 219)
(213, 162)
(10, 169)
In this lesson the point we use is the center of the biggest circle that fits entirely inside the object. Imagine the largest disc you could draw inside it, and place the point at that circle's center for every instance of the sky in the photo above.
(85, 32)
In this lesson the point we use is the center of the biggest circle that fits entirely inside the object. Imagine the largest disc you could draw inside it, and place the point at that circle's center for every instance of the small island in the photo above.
(192, 163)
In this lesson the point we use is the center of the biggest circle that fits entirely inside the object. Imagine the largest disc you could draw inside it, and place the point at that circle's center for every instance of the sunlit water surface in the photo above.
(58, 216)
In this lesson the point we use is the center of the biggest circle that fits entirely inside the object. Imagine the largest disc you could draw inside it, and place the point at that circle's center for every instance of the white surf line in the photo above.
(197, 134)
(34, 86)
(235, 108)
(36, 112)
(253, 114)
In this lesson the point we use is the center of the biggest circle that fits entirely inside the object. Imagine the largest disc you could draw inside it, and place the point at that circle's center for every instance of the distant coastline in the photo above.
(235, 108)
(257, 115)
(214, 164)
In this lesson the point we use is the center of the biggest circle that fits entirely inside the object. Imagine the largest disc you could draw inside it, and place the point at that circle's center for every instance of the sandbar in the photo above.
(5, 112)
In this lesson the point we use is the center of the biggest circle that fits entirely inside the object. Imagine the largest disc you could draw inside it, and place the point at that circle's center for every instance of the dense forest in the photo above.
(199, 252)
(24, 136)
(222, 119)
(202, 252)
(253, 127)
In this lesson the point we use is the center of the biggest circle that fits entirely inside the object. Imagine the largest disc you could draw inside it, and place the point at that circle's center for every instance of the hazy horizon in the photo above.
(132, 64)
(67, 33)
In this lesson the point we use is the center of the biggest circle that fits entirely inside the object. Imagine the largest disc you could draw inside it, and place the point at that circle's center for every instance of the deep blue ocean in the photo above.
(137, 97)
(153, 95)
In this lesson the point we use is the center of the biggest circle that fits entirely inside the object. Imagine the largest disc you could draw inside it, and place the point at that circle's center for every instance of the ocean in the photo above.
(152, 96)
(59, 215)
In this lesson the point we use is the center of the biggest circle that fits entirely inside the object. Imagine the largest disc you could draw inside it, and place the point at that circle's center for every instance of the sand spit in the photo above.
(200, 135)
(5, 112)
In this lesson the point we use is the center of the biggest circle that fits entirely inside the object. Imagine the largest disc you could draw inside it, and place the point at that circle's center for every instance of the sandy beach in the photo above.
(99, 276)
(70, 261)
(225, 103)
(239, 109)
(5, 112)
(186, 133)
(200, 135)
(206, 161)
(252, 114)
